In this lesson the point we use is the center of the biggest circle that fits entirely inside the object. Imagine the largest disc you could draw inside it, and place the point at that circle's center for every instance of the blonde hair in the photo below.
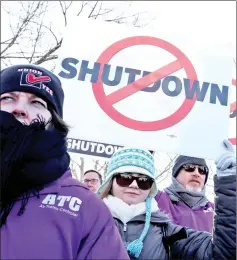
(107, 191)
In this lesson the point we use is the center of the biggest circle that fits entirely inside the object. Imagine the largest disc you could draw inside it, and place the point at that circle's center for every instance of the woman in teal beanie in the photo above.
(147, 232)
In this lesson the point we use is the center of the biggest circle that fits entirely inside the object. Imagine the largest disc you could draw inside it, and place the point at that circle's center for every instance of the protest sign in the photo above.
(147, 89)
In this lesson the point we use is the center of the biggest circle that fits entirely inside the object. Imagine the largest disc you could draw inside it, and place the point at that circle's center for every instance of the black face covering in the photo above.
(31, 157)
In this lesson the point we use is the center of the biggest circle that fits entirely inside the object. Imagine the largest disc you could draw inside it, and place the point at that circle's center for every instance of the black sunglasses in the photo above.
(124, 180)
(191, 168)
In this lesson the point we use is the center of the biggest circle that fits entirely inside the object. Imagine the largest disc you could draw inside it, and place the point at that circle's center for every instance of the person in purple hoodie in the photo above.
(44, 212)
(184, 200)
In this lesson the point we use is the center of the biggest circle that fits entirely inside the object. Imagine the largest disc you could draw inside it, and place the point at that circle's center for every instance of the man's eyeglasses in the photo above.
(92, 181)
(124, 180)
(191, 168)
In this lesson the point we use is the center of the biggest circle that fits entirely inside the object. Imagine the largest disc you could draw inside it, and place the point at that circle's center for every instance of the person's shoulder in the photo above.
(68, 183)
(90, 210)
(73, 187)
(161, 195)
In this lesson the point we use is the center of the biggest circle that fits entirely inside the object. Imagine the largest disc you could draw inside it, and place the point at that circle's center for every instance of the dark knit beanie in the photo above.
(182, 160)
(35, 80)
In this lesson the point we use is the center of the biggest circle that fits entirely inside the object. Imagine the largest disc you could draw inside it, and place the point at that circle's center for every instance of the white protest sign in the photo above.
(96, 149)
(89, 148)
(147, 89)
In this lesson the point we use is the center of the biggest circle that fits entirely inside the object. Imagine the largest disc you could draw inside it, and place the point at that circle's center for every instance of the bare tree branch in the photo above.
(164, 177)
(7, 41)
(92, 11)
(27, 57)
(25, 21)
(96, 164)
(167, 167)
(101, 13)
(122, 19)
(49, 28)
(36, 40)
(48, 53)
(64, 12)
(51, 57)
(21, 51)
(103, 167)
(5, 63)
(99, 167)
(64, 9)
(83, 4)
(73, 165)
(98, 12)
(3, 7)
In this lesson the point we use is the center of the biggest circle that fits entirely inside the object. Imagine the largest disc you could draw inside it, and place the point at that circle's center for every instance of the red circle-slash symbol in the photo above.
(106, 102)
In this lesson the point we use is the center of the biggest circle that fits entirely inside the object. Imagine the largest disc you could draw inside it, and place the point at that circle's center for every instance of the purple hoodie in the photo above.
(67, 222)
(199, 219)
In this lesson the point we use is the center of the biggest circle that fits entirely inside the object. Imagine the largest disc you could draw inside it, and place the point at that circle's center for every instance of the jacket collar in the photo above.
(157, 217)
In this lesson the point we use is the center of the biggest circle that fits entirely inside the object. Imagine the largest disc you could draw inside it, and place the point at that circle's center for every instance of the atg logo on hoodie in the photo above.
(66, 204)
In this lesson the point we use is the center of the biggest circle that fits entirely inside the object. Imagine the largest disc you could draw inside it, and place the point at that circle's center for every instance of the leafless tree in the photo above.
(77, 168)
(101, 166)
(33, 34)
(32, 29)
(164, 169)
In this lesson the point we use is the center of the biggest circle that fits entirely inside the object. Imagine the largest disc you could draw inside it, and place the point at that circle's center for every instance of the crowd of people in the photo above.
(47, 214)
